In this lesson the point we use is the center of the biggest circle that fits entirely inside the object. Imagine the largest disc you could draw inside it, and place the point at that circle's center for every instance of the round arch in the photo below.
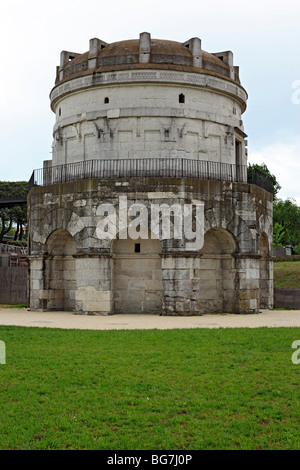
(217, 271)
(219, 241)
(60, 270)
(264, 244)
(60, 243)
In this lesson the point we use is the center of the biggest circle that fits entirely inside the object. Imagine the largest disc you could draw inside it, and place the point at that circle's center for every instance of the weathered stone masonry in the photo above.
(158, 122)
(80, 272)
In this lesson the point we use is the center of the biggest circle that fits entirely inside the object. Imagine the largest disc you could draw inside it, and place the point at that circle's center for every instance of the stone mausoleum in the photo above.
(155, 124)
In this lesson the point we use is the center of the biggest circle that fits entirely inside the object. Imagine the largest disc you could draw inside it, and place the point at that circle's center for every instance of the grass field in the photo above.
(287, 274)
(149, 389)
(13, 305)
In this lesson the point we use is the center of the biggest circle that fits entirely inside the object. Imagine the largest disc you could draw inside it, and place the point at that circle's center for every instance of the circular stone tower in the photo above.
(149, 132)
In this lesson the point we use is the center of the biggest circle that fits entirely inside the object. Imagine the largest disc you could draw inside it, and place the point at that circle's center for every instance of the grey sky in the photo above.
(264, 37)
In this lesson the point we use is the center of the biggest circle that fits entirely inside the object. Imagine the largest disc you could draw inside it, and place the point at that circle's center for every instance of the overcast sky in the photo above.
(264, 37)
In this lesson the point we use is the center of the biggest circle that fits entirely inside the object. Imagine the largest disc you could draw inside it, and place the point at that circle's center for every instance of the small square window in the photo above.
(137, 247)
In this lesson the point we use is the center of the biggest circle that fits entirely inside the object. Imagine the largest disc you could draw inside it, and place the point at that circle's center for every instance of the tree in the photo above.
(6, 222)
(19, 214)
(287, 215)
(278, 233)
(13, 189)
(15, 214)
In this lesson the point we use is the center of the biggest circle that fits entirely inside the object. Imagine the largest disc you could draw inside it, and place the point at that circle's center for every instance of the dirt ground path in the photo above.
(68, 320)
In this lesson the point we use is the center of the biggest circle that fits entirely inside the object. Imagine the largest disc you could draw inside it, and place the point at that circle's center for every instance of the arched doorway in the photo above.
(137, 275)
(60, 271)
(217, 272)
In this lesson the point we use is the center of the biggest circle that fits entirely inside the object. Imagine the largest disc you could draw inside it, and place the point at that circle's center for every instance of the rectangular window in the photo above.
(238, 160)
(237, 152)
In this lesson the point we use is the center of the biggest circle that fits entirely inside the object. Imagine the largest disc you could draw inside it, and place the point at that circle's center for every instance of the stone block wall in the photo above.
(71, 268)
(94, 292)
(138, 114)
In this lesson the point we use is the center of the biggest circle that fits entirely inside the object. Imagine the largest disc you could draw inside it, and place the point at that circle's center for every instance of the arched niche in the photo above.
(219, 241)
(60, 271)
(218, 271)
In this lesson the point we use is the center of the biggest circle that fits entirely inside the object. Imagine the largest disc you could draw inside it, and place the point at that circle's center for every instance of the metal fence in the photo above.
(134, 168)
(149, 167)
(260, 179)
(13, 285)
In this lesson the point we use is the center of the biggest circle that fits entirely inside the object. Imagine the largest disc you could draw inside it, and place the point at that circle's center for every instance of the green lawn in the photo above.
(287, 274)
(149, 389)
(13, 306)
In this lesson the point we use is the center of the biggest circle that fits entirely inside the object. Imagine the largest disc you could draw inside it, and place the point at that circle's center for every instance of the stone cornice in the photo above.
(203, 80)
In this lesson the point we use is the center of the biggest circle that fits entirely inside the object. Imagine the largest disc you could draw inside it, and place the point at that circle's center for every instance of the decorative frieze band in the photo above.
(149, 76)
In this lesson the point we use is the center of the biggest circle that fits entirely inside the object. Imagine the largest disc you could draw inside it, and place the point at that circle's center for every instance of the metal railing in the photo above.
(136, 168)
(260, 179)
(146, 167)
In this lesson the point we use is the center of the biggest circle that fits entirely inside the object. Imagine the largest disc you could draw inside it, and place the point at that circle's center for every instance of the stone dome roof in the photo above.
(162, 52)
(146, 52)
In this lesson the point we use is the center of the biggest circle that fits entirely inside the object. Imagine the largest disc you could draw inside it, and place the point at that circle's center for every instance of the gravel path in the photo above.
(68, 320)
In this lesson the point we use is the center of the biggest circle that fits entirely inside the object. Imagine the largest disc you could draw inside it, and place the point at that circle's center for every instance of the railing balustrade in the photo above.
(143, 167)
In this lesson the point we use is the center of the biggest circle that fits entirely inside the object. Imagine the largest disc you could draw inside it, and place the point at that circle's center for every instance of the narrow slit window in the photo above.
(106, 100)
(137, 247)
(181, 98)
